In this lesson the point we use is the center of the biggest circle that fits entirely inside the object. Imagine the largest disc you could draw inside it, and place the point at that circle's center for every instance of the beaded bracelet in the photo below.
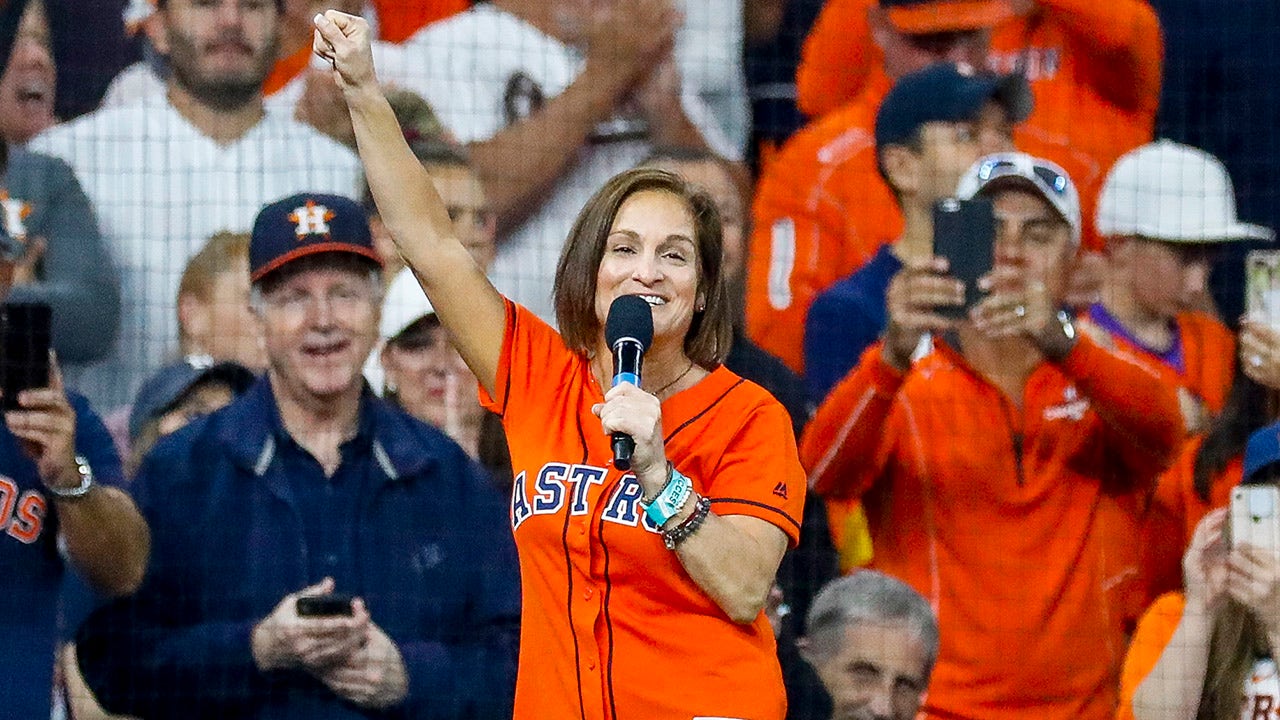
(647, 501)
(678, 534)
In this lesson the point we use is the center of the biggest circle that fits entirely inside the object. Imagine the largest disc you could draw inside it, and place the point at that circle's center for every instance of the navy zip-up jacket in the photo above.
(433, 560)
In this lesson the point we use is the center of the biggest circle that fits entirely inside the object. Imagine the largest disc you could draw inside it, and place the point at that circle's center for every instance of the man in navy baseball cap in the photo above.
(929, 129)
(177, 394)
(1262, 453)
(947, 93)
(301, 487)
(308, 224)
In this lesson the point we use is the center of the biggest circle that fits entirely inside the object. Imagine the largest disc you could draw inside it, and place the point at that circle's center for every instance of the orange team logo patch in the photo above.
(311, 219)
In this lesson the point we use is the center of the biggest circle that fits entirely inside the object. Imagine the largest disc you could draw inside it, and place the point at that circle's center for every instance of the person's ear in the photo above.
(1120, 250)
(7, 268)
(156, 30)
(805, 649)
(882, 32)
(388, 375)
(903, 168)
(195, 320)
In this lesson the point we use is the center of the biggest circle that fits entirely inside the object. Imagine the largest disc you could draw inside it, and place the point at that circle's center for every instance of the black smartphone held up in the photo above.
(324, 605)
(964, 232)
(25, 331)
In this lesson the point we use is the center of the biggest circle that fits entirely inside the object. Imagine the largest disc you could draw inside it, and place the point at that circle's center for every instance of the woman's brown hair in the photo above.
(710, 333)
(1238, 640)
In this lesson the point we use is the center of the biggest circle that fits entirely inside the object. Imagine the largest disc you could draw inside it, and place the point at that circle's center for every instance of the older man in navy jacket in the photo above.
(310, 486)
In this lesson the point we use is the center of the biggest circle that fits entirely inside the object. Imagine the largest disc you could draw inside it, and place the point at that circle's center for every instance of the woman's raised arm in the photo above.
(470, 308)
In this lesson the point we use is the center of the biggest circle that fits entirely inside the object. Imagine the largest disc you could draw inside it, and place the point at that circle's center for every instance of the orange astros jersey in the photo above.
(613, 627)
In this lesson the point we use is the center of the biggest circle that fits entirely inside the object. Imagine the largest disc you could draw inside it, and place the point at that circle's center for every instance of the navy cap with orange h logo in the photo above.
(307, 224)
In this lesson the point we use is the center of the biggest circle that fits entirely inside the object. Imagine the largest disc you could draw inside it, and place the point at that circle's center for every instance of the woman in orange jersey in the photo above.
(1209, 652)
(643, 591)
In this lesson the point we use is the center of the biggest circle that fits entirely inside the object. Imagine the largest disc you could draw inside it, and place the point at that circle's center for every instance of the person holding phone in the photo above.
(931, 127)
(62, 506)
(991, 467)
(1166, 211)
(1211, 464)
(1209, 651)
(318, 552)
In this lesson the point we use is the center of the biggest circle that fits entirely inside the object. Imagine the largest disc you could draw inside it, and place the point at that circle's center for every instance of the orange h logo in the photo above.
(311, 219)
(15, 212)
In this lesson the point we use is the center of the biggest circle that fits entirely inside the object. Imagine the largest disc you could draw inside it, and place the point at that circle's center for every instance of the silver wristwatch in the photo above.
(1068, 324)
(1058, 338)
(86, 482)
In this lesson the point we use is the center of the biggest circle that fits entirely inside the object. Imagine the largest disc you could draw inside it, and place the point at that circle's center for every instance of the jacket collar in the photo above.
(251, 431)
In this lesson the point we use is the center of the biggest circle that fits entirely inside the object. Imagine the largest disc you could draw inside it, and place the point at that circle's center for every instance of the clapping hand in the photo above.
(321, 107)
(632, 34)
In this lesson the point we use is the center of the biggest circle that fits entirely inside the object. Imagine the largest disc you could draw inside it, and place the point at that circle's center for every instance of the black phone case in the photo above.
(964, 232)
(25, 331)
(324, 605)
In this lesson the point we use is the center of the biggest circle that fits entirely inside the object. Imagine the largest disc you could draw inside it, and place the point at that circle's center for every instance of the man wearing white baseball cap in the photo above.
(1164, 210)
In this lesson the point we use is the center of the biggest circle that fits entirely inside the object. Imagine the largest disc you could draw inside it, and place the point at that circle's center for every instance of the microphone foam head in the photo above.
(629, 317)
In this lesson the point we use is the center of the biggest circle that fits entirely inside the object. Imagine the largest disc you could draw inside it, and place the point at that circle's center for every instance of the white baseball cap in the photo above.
(403, 305)
(1037, 174)
(1174, 193)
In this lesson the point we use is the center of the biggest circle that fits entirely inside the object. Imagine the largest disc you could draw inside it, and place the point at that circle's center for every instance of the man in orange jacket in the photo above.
(822, 208)
(988, 469)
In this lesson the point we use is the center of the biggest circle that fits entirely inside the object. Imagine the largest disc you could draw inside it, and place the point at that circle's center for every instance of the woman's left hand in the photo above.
(345, 41)
(1253, 579)
(628, 409)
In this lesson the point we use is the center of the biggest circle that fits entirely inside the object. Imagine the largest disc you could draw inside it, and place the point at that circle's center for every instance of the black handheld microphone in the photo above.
(629, 332)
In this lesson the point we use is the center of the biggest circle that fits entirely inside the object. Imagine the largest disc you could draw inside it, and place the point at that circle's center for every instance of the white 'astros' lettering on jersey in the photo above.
(558, 485)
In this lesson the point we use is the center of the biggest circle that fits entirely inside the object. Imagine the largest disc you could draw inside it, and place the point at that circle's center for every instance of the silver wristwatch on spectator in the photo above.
(86, 482)
(1059, 336)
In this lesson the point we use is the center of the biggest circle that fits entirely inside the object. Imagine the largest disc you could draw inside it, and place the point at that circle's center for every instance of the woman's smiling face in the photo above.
(651, 251)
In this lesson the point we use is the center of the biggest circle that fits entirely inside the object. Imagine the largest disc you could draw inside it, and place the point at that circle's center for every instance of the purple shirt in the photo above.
(1173, 356)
